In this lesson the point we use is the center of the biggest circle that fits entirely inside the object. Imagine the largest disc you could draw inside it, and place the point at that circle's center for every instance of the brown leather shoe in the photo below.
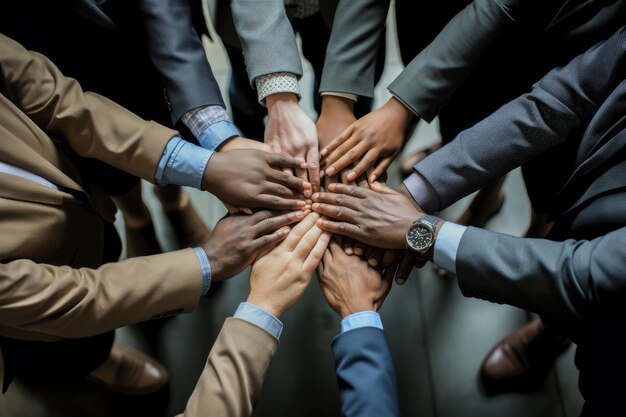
(130, 372)
(520, 360)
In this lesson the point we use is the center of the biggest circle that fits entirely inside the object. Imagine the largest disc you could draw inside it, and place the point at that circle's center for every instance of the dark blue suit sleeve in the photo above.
(177, 53)
(365, 373)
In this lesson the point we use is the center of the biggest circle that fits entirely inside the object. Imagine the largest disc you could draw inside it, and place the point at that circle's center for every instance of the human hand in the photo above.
(255, 179)
(279, 278)
(336, 115)
(349, 284)
(237, 142)
(238, 239)
(378, 217)
(373, 140)
(289, 131)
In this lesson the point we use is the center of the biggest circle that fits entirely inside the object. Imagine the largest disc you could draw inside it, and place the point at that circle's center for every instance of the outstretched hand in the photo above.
(279, 278)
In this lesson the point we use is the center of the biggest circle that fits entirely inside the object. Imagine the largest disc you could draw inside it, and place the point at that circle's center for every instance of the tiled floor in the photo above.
(438, 337)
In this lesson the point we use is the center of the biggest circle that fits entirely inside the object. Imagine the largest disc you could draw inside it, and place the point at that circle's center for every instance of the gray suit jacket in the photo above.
(575, 279)
(436, 73)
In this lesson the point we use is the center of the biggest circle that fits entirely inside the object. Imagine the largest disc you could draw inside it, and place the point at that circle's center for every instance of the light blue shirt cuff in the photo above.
(182, 163)
(205, 267)
(259, 317)
(447, 245)
(218, 132)
(361, 319)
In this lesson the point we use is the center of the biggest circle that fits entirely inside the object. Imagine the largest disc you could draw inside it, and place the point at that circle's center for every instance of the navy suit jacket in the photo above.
(365, 373)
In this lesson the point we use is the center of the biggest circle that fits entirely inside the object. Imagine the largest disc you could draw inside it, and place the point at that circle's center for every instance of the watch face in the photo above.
(419, 237)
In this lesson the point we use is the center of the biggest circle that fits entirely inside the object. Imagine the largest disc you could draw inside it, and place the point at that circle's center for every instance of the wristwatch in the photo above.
(421, 235)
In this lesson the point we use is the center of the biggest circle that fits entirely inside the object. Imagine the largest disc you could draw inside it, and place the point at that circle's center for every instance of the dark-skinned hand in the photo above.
(256, 179)
(378, 217)
(238, 239)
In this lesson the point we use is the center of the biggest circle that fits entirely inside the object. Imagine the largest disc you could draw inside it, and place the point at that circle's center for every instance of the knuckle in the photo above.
(340, 198)
(284, 176)
(342, 228)
(280, 190)
(338, 211)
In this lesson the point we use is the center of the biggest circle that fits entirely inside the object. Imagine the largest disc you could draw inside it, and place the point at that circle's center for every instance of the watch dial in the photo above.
(419, 237)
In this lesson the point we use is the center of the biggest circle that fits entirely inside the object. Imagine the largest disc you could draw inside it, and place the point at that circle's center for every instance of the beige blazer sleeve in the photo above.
(92, 125)
(50, 302)
(233, 376)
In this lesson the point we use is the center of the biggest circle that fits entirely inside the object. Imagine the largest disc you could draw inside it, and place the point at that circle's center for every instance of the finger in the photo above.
(390, 257)
(280, 203)
(300, 230)
(340, 228)
(313, 168)
(276, 221)
(336, 199)
(342, 150)
(231, 209)
(404, 269)
(268, 241)
(346, 159)
(375, 256)
(348, 245)
(307, 242)
(289, 180)
(359, 248)
(245, 210)
(362, 182)
(335, 212)
(351, 190)
(367, 161)
(316, 253)
(334, 144)
(281, 161)
(344, 176)
(381, 168)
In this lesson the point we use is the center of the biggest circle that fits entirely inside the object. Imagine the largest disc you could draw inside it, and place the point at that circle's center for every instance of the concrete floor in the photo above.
(438, 337)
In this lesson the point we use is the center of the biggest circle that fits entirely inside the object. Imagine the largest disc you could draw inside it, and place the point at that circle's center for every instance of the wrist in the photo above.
(333, 104)
(345, 311)
(228, 144)
(399, 110)
(271, 307)
(278, 101)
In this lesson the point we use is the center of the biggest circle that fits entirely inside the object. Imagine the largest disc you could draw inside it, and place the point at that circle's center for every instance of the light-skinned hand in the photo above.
(290, 131)
(279, 278)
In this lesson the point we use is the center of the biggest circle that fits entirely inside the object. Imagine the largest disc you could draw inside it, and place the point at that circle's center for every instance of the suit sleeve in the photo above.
(233, 376)
(365, 373)
(437, 71)
(566, 282)
(564, 100)
(266, 36)
(64, 302)
(357, 30)
(177, 53)
(92, 125)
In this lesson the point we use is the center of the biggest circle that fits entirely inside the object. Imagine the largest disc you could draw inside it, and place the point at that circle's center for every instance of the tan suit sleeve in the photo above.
(233, 376)
(60, 301)
(92, 125)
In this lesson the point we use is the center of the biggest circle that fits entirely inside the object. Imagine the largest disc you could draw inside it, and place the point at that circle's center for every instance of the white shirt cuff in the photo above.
(277, 82)
(447, 245)
(349, 96)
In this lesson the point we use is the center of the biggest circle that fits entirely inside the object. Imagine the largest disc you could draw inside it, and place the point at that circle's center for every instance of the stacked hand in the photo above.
(289, 131)
(371, 142)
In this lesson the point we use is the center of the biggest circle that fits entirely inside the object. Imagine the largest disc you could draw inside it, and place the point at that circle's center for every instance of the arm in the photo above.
(177, 53)
(565, 281)
(233, 376)
(443, 65)
(564, 100)
(365, 371)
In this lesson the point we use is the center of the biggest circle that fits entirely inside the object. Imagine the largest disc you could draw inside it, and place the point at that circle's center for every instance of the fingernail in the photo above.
(301, 203)
(320, 223)
(300, 214)
(372, 262)
(351, 176)
(358, 251)
(307, 193)
(373, 178)
(306, 213)
(330, 171)
(315, 206)
(400, 281)
(323, 152)
(315, 196)
(331, 187)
